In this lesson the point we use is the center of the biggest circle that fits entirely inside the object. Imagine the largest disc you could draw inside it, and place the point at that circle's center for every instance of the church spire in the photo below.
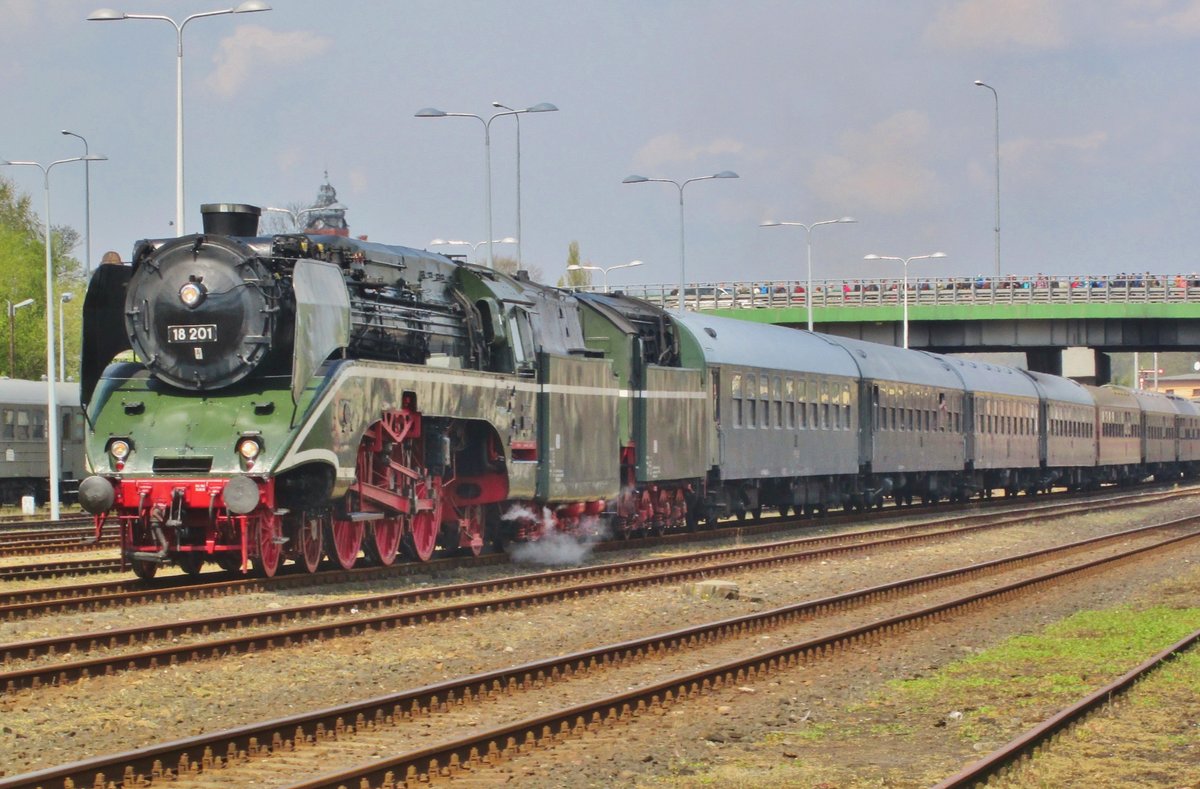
(327, 216)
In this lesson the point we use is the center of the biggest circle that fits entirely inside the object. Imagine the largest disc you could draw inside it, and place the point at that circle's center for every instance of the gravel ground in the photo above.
(754, 736)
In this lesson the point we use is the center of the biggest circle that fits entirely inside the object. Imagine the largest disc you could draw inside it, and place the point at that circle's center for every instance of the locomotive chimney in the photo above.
(230, 219)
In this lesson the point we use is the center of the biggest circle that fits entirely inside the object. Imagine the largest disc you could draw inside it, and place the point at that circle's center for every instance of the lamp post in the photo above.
(808, 300)
(430, 112)
(641, 179)
(12, 335)
(87, 203)
(904, 287)
(109, 15)
(440, 242)
(51, 396)
(545, 107)
(62, 352)
(996, 97)
(578, 267)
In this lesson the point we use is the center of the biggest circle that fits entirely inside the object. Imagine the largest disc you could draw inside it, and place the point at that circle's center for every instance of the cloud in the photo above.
(669, 149)
(1179, 20)
(880, 168)
(252, 48)
(18, 12)
(1033, 157)
(992, 25)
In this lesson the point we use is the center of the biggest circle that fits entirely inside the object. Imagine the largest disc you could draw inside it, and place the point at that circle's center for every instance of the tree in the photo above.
(274, 223)
(574, 278)
(23, 260)
(509, 265)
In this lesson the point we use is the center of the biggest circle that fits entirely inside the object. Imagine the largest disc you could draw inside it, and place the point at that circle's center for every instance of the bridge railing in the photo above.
(927, 291)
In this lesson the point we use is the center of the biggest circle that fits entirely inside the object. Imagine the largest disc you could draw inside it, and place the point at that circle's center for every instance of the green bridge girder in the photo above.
(893, 313)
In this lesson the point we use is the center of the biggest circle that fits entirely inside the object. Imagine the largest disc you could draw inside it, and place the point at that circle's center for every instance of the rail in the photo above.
(926, 291)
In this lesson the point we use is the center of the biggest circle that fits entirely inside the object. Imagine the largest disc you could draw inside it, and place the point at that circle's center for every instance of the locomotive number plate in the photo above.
(205, 332)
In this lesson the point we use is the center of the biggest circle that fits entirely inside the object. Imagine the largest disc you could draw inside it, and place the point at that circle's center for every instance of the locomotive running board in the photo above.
(356, 517)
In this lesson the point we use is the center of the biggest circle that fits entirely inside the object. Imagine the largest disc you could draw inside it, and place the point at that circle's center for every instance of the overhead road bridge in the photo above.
(1041, 316)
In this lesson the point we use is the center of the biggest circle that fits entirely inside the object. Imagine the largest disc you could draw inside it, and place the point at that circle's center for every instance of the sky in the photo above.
(825, 109)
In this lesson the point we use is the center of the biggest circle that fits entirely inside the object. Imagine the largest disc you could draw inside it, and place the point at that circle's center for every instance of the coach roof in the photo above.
(14, 391)
(1062, 390)
(736, 342)
(980, 376)
(889, 363)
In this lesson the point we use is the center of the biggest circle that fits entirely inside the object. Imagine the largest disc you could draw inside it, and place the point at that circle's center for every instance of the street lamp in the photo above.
(904, 289)
(430, 112)
(62, 353)
(109, 15)
(51, 395)
(996, 97)
(12, 336)
(87, 202)
(641, 179)
(440, 242)
(808, 233)
(543, 107)
(578, 267)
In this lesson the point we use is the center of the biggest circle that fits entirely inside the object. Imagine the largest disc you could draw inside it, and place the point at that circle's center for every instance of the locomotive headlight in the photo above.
(119, 448)
(249, 448)
(192, 294)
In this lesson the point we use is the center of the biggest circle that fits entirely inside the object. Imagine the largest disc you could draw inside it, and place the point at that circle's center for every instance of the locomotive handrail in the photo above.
(927, 291)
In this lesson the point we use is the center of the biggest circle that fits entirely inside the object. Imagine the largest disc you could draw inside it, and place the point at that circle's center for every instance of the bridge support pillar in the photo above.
(1045, 360)
(1085, 365)
(1103, 368)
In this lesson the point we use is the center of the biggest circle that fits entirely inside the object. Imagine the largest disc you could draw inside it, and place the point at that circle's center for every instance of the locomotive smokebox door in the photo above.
(201, 312)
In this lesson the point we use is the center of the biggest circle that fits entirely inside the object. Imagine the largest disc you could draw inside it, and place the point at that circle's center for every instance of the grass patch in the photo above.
(913, 732)
(1022, 680)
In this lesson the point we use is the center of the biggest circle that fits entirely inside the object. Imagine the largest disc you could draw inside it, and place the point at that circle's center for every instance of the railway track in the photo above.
(44, 544)
(1007, 759)
(277, 628)
(34, 602)
(337, 738)
(19, 522)
(58, 570)
(757, 526)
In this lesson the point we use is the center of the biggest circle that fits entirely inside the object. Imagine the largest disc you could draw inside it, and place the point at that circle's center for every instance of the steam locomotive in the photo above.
(295, 397)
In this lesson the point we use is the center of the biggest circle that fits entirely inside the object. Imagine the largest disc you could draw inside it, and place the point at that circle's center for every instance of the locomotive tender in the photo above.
(300, 396)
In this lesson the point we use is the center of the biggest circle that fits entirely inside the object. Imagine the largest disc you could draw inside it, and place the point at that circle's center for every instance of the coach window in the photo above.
(764, 393)
(735, 393)
(751, 392)
(777, 396)
(22, 433)
(9, 424)
(789, 397)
